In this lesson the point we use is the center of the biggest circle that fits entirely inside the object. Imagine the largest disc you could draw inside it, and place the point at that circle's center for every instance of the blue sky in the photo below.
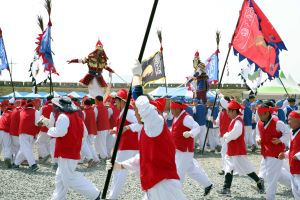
(187, 26)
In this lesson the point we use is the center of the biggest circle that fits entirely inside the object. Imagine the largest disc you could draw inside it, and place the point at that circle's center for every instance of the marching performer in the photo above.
(69, 131)
(236, 155)
(5, 138)
(103, 127)
(88, 149)
(223, 121)
(28, 129)
(128, 146)
(43, 140)
(294, 153)
(271, 136)
(184, 130)
(96, 61)
(158, 175)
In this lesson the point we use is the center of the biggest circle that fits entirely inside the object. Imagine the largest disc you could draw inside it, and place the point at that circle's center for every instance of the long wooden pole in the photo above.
(283, 86)
(114, 155)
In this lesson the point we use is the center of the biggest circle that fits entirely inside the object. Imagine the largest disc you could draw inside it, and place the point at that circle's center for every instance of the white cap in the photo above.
(224, 103)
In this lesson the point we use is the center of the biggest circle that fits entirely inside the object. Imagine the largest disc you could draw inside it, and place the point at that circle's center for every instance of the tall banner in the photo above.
(153, 69)
(3, 57)
(257, 40)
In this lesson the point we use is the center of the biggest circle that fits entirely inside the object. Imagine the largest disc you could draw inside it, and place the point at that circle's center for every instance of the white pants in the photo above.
(217, 136)
(15, 145)
(253, 133)
(100, 143)
(119, 177)
(5, 141)
(110, 143)
(43, 144)
(52, 149)
(201, 136)
(223, 152)
(66, 177)
(296, 186)
(270, 171)
(248, 136)
(25, 152)
(212, 139)
(239, 164)
(87, 149)
(186, 164)
(168, 189)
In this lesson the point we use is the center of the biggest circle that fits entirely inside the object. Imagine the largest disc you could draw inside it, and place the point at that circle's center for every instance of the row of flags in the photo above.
(254, 39)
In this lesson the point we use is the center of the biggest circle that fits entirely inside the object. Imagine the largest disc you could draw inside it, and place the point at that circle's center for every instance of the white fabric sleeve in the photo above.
(96, 112)
(61, 127)
(256, 118)
(235, 132)
(135, 127)
(37, 117)
(280, 126)
(286, 154)
(110, 112)
(51, 120)
(189, 122)
(131, 116)
(132, 164)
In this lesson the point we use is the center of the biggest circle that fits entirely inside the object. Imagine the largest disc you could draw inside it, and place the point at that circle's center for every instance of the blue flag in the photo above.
(212, 68)
(3, 57)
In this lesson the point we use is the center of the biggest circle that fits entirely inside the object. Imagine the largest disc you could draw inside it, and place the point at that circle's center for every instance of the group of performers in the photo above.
(159, 145)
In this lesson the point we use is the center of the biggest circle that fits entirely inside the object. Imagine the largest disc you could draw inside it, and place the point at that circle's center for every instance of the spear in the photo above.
(113, 158)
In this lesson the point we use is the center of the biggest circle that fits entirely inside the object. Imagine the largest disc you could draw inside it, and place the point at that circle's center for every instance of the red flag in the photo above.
(256, 39)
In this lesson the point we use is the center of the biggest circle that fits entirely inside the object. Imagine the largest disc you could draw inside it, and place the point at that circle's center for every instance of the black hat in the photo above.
(65, 104)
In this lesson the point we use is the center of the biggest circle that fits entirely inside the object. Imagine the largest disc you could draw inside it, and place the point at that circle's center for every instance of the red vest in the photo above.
(69, 146)
(90, 120)
(114, 117)
(15, 117)
(294, 148)
(266, 135)
(157, 158)
(102, 119)
(183, 144)
(129, 139)
(5, 120)
(224, 122)
(236, 147)
(27, 122)
(46, 111)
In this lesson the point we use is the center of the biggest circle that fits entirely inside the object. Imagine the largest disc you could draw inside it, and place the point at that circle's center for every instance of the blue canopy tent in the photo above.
(57, 94)
(182, 92)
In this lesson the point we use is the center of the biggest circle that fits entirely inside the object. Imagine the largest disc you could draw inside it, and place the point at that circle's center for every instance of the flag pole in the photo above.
(162, 57)
(113, 158)
(219, 84)
(11, 80)
(284, 87)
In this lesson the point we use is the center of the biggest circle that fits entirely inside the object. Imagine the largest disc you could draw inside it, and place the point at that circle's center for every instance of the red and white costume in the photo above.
(43, 140)
(103, 127)
(69, 131)
(223, 122)
(128, 148)
(28, 129)
(14, 130)
(158, 175)
(185, 162)
(88, 149)
(294, 164)
(5, 138)
(271, 166)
